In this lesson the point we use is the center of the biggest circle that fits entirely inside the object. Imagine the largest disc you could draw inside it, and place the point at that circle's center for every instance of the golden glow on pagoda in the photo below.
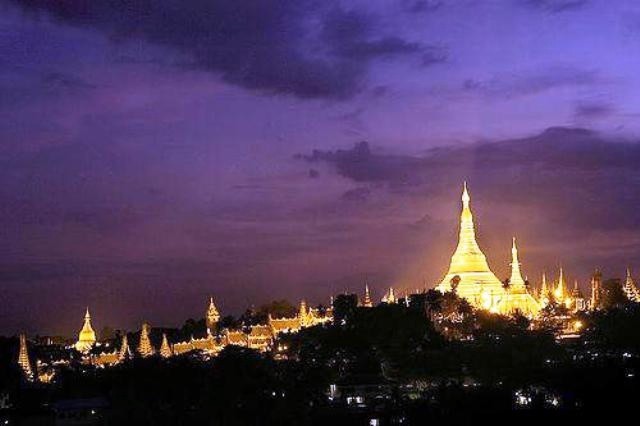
(23, 358)
(517, 297)
(630, 289)
(469, 272)
(165, 349)
(470, 277)
(86, 337)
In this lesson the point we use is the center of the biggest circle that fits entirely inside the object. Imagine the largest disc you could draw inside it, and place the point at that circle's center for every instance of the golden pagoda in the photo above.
(165, 349)
(367, 303)
(86, 337)
(517, 297)
(212, 318)
(145, 348)
(389, 297)
(23, 358)
(561, 294)
(469, 274)
(124, 352)
(630, 289)
(544, 297)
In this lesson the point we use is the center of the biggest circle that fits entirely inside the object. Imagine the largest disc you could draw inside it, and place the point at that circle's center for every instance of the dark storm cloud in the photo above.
(58, 80)
(556, 6)
(516, 85)
(562, 167)
(357, 194)
(593, 110)
(306, 48)
(422, 6)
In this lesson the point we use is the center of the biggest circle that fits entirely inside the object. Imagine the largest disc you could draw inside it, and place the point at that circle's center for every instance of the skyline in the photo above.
(178, 154)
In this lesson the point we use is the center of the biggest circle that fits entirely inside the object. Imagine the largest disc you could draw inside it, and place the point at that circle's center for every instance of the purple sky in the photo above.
(154, 153)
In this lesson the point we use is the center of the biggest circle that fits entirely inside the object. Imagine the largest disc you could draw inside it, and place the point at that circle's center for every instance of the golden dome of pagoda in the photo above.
(86, 337)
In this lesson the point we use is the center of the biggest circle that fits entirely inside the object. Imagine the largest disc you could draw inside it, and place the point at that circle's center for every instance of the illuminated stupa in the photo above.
(86, 337)
(469, 272)
(517, 297)
(630, 289)
(470, 277)
(23, 359)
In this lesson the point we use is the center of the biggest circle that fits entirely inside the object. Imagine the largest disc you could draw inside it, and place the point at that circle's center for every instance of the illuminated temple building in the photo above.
(470, 277)
(630, 289)
(86, 337)
(23, 358)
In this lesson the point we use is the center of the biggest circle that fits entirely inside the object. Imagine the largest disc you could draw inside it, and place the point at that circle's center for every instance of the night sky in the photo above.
(153, 153)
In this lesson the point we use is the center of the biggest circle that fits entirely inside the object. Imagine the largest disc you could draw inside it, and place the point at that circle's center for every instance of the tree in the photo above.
(344, 307)
(278, 309)
(612, 294)
(193, 327)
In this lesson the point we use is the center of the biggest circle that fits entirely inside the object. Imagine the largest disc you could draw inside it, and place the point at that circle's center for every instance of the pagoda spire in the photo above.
(515, 281)
(302, 310)
(212, 316)
(367, 297)
(630, 289)
(560, 290)
(23, 358)
(165, 349)
(86, 337)
(145, 349)
(467, 244)
(389, 297)
(124, 351)
(303, 314)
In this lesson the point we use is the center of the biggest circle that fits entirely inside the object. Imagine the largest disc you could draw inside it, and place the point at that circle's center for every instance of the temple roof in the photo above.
(515, 281)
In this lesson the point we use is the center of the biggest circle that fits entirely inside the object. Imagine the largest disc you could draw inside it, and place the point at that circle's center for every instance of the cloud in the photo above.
(593, 110)
(556, 6)
(422, 6)
(58, 80)
(359, 194)
(525, 84)
(579, 173)
(304, 48)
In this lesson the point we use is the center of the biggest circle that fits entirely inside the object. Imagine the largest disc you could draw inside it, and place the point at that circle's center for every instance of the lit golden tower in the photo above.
(145, 349)
(517, 297)
(544, 292)
(125, 352)
(23, 358)
(630, 289)
(469, 270)
(165, 349)
(213, 316)
(367, 297)
(303, 314)
(389, 297)
(561, 294)
(596, 290)
(86, 337)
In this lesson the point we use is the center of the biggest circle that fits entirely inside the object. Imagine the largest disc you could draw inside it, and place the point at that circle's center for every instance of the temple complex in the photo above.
(86, 337)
